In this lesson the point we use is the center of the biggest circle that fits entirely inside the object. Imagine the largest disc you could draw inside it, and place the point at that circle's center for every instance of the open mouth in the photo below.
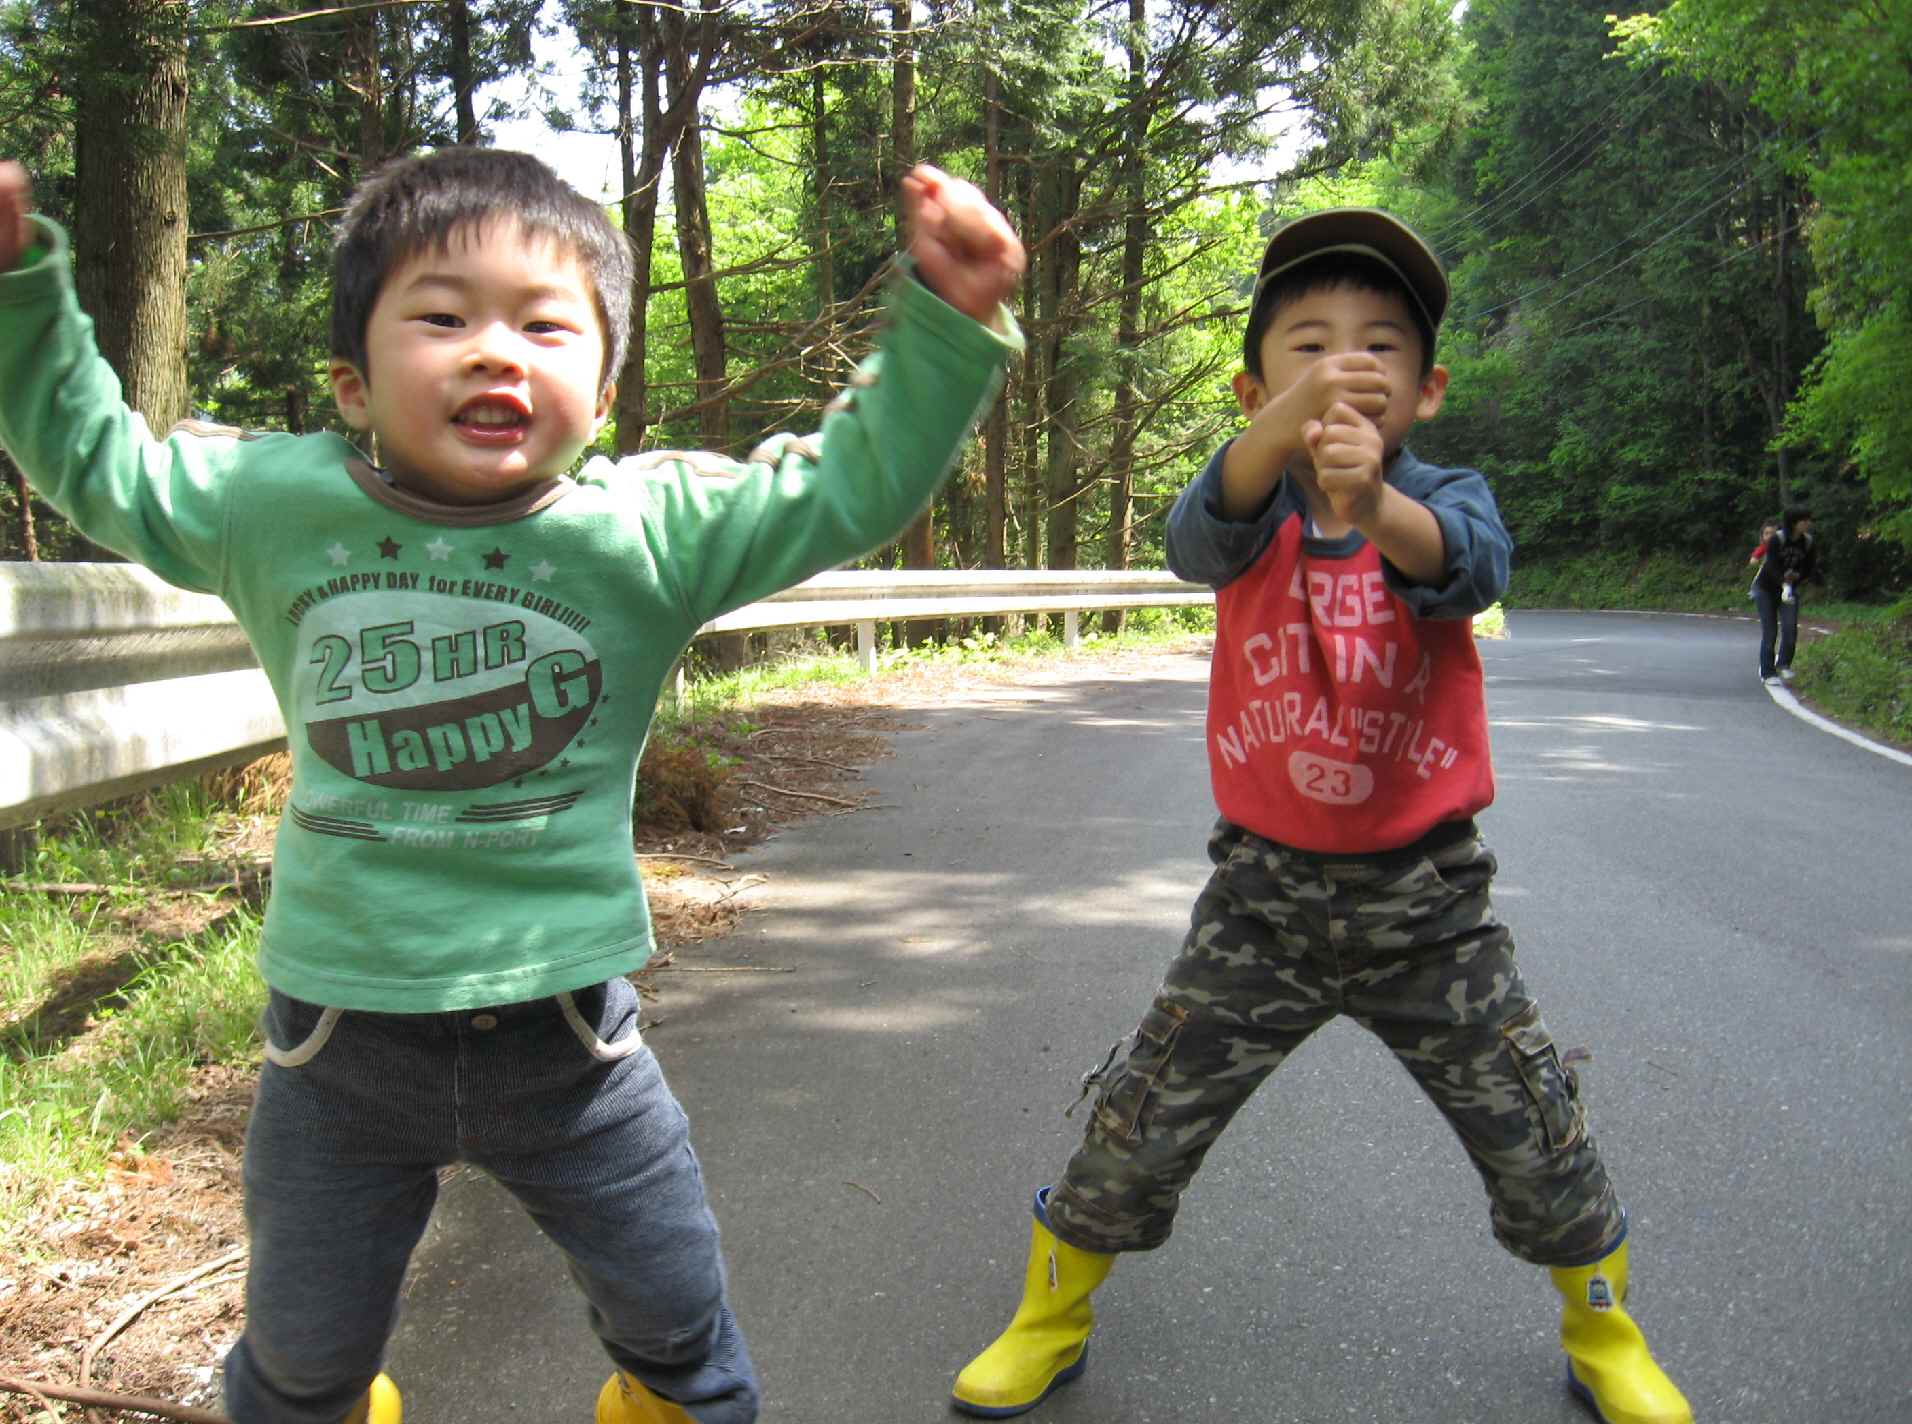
(492, 413)
(492, 416)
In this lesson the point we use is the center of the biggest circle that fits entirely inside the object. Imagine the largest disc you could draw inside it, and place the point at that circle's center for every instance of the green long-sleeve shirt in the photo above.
(466, 690)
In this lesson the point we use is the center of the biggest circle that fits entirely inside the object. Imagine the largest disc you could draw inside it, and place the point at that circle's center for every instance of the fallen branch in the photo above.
(700, 859)
(861, 1188)
(728, 969)
(813, 761)
(81, 887)
(102, 1399)
(132, 1312)
(46, 1405)
(805, 795)
(737, 887)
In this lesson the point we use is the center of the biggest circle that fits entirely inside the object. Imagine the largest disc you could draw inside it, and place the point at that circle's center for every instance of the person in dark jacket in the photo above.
(1791, 560)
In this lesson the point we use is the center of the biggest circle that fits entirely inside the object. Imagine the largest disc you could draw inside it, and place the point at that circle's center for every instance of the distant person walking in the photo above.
(1791, 559)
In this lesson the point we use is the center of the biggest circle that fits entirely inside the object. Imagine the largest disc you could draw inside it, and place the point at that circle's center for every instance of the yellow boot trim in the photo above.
(1045, 1342)
(624, 1401)
(381, 1405)
(1608, 1365)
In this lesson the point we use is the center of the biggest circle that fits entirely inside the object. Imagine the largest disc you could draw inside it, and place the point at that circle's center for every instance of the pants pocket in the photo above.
(294, 1031)
(1464, 869)
(1125, 1096)
(616, 1008)
(1554, 1088)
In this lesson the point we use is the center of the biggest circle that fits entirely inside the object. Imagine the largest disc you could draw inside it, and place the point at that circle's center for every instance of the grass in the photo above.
(1862, 675)
(107, 1009)
(817, 662)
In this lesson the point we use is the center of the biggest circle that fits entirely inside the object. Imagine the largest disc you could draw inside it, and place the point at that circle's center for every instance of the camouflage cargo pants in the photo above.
(1408, 946)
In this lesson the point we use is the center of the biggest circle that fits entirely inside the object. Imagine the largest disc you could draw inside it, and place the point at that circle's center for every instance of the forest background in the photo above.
(1679, 242)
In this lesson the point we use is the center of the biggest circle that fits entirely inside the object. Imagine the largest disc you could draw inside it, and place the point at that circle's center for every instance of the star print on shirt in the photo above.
(388, 547)
(542, 570)
(439, 550)
(497, 559)
(339, 555)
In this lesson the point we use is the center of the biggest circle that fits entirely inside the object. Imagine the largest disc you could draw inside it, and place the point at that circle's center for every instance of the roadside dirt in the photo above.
(133, 1285)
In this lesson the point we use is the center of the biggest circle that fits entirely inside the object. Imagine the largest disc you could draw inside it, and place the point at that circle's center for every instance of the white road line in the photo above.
(1792, 704)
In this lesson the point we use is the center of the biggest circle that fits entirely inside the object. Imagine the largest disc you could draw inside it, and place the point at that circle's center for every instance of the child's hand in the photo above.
(1346, 450)
(1355, 379)
(964, 248)
(16, 201)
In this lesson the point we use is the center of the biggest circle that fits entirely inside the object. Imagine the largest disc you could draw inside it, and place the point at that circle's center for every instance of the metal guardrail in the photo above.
(112, 680)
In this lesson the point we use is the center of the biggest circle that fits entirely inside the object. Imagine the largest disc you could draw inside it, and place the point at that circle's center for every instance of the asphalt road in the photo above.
(1708, 893)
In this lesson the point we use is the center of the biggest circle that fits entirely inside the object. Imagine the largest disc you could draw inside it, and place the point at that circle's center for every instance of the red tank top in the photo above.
(1338, 722)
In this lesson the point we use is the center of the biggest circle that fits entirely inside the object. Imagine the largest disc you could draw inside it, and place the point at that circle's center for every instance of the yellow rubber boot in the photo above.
(1047, 1344)
(380, 1405)
(1608, 1367)
(624, 1401)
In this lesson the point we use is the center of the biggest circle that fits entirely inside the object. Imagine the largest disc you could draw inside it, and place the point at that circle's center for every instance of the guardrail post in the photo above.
(866, 646)
(1071, 628)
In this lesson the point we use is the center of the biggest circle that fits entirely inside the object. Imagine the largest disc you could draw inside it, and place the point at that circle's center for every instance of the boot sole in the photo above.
(1010, 1411)
(1580, 1392)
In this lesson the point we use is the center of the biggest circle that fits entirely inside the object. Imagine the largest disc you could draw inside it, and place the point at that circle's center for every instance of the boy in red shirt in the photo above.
(1348, 749)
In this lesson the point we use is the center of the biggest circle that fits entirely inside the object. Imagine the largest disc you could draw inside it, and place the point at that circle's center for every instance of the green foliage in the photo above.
(1836, 78)
(1855, 401)
(1616, 579)
(1862, 676)
(1617, 288)
(99, 1046)
(1640, 283)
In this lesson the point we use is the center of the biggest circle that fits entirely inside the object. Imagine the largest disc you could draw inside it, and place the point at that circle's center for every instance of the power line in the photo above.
(1504, 216)
(1743, 252)
(1507, 192)
(1626, 261)
(1738, 160)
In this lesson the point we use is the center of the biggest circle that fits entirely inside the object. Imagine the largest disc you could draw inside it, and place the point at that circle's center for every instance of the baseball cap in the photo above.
(1368, 232)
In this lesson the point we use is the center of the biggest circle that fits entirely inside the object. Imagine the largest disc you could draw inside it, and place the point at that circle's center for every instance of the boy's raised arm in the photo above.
(964, 249)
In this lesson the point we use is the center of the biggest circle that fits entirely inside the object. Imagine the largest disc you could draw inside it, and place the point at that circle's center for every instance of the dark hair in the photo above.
(412, 205)
(1330, 270)
(1795, 515)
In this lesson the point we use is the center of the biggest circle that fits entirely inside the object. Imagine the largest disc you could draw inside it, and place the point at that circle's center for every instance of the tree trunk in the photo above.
(820, 172)
(23, 492)
(1782, 339)
(700, 285)
(458, 31)
(646, 130)
(1061, 276)
(364, 77)
(919, 540)
(130, 211)
(996, 427)
(1135, 239)
(1032, 383)
(639, 208)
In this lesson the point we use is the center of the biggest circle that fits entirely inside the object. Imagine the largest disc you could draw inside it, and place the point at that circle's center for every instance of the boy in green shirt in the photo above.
(467, 643)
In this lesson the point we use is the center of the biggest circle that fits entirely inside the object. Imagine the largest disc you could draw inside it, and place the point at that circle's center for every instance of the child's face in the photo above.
(1346, 318)
(485, 367)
